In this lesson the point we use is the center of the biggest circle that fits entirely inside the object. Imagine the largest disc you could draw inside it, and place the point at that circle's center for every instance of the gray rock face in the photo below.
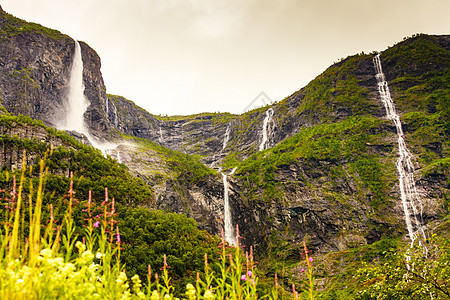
(33, 70)
(35, 66)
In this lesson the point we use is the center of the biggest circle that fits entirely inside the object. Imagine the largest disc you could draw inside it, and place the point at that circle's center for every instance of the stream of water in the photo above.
(410, 199)
(230, 236)
(266, 130)
(226, 138)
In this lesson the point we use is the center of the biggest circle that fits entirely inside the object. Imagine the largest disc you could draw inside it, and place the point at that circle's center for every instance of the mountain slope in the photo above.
(328, 176)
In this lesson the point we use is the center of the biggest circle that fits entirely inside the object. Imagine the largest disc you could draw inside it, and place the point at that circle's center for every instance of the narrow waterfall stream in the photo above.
(226, 138)
(409, 196)
(230, 235)
(266, 130)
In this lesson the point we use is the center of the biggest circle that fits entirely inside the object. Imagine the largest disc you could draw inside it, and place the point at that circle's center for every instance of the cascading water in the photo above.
(111, 112)
(77, 104)
(266, 130)
(226, 138)
(230, 236)
(405, 168)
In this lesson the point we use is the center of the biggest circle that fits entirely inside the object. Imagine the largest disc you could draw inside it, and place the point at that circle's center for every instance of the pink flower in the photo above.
(96, 224)
(311, 259)
(118, 235)
(249, 274)
(243, 277)
(303, 270)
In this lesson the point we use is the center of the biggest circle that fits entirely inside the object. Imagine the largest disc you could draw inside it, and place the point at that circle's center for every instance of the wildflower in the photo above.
(303, 270)
(117, 234)
(122, 278)
(81, 247)
(56, 262)
(87, 256)
(67, 268)
(136, 282)
(99, 255)
(167, 297)
(209, 295)
(154, 296)
(311, 259)
(190, 293)
(93, 268)
(96, 224)
(249, 274)
(243, 277)
(46, 253)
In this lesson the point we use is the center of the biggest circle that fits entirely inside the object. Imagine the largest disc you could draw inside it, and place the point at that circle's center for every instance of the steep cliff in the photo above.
(335, 182)
(34, 71)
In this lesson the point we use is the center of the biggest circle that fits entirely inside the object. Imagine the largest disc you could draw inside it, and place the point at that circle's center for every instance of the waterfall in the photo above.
(266, 129)
(76, 104)
(226, 138)
(229, 230)
(119, 159)
(111, 112)
(405, 168)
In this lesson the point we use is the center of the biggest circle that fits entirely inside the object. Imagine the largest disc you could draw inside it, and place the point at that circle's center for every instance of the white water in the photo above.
(111, 112)
(266, 129)
(230, 236)
(226, 138)
(409, 196)
(77, 104)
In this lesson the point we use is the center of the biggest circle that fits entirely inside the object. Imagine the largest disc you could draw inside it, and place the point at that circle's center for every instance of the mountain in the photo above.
(320, 165)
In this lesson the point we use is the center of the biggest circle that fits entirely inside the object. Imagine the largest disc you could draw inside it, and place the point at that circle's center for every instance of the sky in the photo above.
(179, 57)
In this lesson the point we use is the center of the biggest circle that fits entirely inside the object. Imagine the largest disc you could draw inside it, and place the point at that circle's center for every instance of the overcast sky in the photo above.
(191, 56)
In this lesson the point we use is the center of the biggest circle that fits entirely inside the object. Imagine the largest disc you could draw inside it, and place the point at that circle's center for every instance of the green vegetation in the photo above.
(69, 261)
(187, 168)
(90, 169)
(347, 141)
(15, 26)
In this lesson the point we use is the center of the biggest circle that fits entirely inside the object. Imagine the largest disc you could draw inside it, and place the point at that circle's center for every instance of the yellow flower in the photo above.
(190, 293)
(154, 296)
(122, 278)
(86, 257)
(67, 268)
(46, 253)
(80, 246)
(209, 295)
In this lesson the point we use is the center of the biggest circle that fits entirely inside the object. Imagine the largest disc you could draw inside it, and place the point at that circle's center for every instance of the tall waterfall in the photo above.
(226, 138)
(405, 168)
(230, 236)
(76, 102)
(266, 129)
